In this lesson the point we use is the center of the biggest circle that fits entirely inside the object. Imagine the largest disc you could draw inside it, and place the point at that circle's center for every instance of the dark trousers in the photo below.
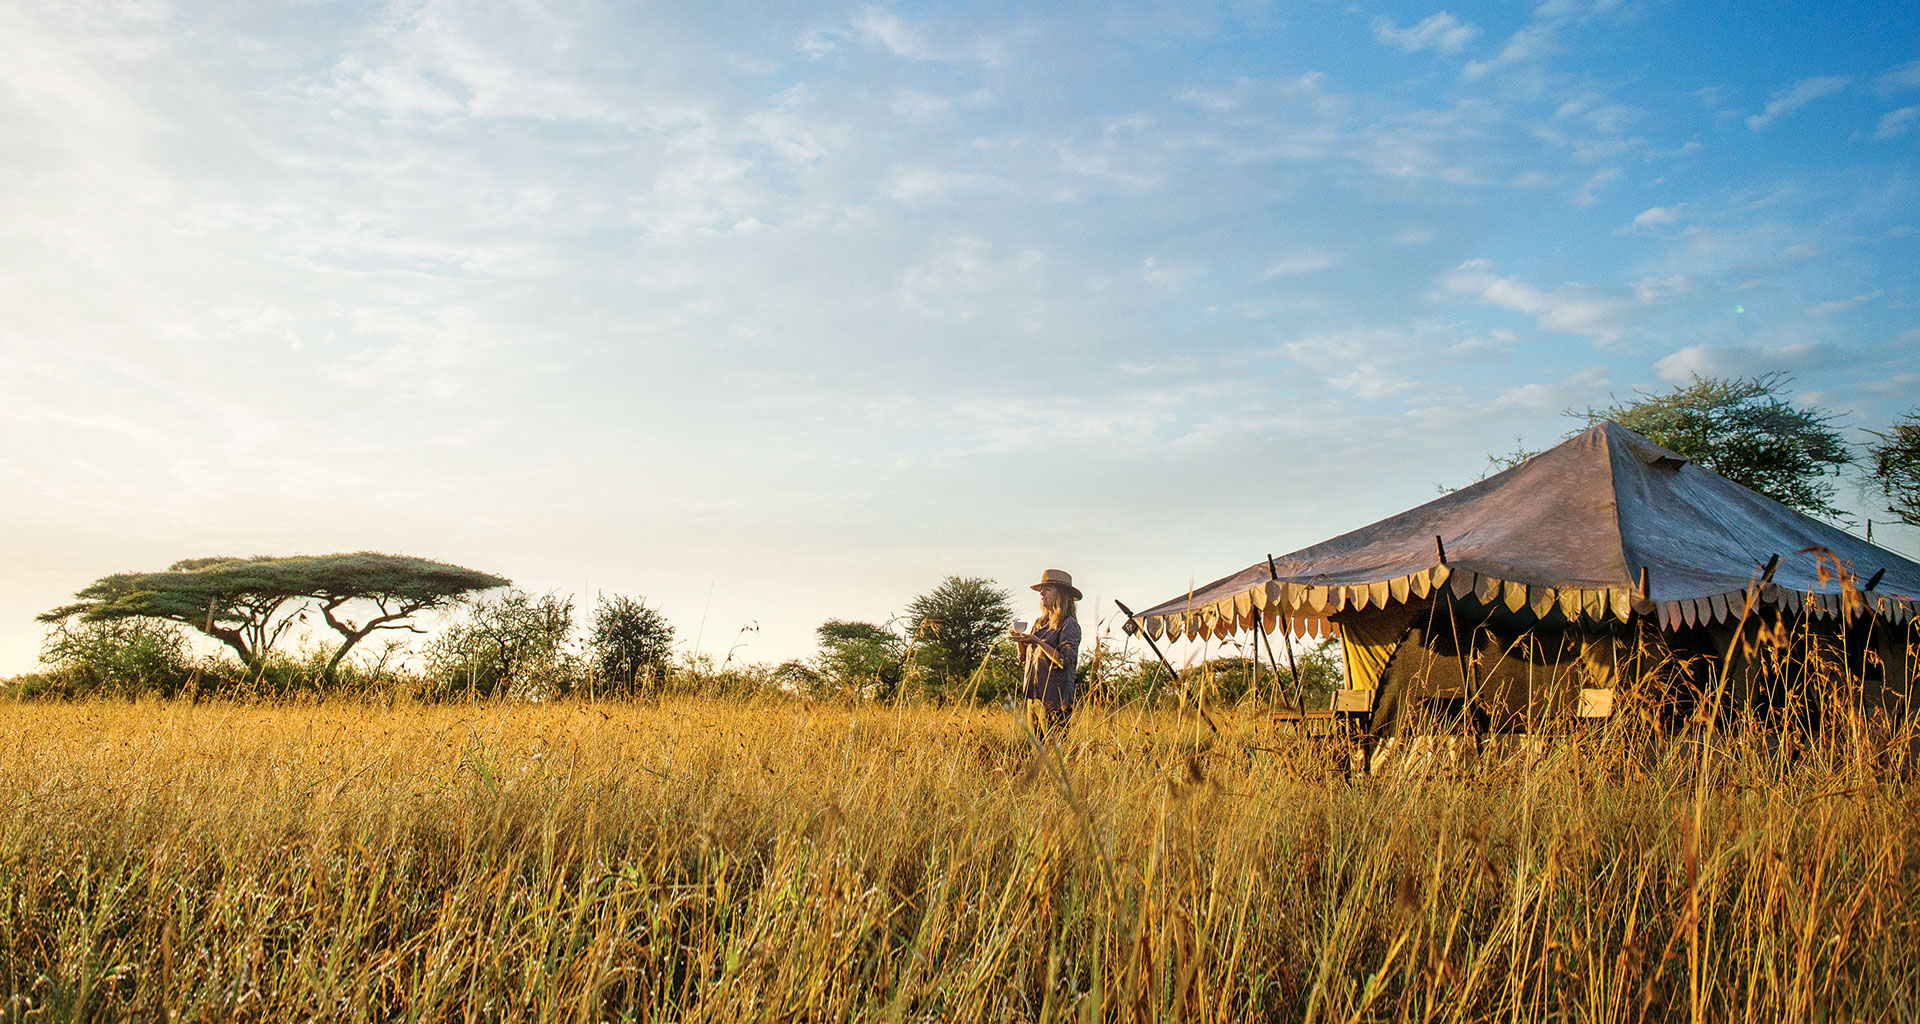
(1044, 718)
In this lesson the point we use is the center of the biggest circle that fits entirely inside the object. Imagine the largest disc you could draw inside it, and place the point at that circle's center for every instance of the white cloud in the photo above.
(885, 29)
(1495, 342)
(1708, 360)
(890, 32)
(1302, 262)
(919, 184)
(1578, 388)
(1906, 76)
(816, 43)
(1899, 385)
(1659, 215)
(1373, 382)
(1655, 290)
(1842, 305)
(790, 132)
(1895, 123)
(1442, 32)
(1528, 45)
(1589, 193)
(960, 277)
(1795, 96)
(1571, 308)
(1165, 276)
(915, 105)
(1106, 167)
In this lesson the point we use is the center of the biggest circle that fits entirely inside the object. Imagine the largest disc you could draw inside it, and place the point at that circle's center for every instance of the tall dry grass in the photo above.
(713, 860)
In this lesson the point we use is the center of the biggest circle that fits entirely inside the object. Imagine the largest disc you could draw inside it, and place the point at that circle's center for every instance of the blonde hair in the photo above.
(1068, 609)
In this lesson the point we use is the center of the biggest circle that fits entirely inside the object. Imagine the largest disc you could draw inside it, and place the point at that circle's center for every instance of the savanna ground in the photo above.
(703, 859)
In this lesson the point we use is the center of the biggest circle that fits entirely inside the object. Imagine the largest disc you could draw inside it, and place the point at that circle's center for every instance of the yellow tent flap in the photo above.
(1368, 641)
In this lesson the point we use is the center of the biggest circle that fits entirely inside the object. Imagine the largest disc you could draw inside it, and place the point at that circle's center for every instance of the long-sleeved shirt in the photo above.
(1048, 683)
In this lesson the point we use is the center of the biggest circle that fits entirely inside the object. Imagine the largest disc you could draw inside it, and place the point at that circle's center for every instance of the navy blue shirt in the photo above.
(1046, 683)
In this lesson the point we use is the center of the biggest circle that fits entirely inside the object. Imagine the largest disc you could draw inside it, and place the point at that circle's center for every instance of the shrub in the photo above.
(858, 657)
(118, 657)
(512, 644)
(630, 644)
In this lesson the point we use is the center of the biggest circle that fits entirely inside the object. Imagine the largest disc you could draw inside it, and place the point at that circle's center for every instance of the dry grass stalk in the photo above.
(715, 860)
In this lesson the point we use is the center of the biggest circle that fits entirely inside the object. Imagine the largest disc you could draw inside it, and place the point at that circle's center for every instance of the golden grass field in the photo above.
(779, 860)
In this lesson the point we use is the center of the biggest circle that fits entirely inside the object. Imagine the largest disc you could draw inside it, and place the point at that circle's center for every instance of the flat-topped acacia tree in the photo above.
(249, 603)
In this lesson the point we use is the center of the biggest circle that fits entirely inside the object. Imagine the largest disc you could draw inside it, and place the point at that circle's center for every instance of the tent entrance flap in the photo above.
(1368, 642)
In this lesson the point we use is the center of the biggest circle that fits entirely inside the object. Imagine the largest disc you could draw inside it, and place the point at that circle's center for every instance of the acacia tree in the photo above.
(959, 621)
(861, 652)
(248, 604)
(1745, 431)
(1896, 466)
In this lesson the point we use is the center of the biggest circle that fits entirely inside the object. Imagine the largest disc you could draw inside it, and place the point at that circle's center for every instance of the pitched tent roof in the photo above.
(1573, 527)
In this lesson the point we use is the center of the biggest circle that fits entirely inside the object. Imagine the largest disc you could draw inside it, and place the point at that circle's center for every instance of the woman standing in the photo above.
(1051, 652)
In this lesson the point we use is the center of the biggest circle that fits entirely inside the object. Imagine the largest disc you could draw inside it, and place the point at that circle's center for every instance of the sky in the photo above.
(771, 314)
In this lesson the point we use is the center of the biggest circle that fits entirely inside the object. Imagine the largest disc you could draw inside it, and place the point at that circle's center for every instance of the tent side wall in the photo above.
(1524, 673)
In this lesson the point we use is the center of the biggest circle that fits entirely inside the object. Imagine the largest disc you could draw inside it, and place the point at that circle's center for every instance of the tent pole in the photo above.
(1445, 593)
(1286, 636)
(1171, 674)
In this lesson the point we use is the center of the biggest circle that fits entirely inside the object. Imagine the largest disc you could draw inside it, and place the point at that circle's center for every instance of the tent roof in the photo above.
(1572, 527)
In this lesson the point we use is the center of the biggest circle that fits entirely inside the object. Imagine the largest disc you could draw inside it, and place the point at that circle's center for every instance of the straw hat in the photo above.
(1059, 578)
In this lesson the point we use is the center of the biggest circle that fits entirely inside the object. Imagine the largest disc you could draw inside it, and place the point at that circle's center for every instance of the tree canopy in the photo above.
(959, 621)
(630, 642)
(1744, 430)
(248, 604)
(862, 653)
(1896, 466)
(511, 642)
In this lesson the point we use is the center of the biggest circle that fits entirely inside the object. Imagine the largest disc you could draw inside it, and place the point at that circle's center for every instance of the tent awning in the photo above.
(1607, 525)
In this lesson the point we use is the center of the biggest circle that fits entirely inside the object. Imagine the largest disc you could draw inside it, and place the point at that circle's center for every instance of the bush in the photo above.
(859, 657)
(117, 657)
(513, 644)
(630, 644)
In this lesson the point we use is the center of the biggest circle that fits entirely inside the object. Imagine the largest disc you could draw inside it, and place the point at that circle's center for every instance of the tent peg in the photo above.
(1272, 573)
(1646, 585)
(1874, 580)
(1772, 564)
(1439, 549)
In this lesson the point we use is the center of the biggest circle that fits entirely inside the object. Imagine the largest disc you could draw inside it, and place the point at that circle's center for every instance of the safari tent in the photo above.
(1532, 595)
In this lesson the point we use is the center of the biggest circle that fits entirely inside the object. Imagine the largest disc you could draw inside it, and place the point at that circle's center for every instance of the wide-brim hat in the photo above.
(1059, 578)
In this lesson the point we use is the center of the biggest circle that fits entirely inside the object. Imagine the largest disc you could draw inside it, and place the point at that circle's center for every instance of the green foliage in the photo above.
(115, 657)
(1745, 431)
(1130, 674)
(956, 624)
(858, 656)
(1238, 677)
(1896, 466)
(1120, 676)
(999, 677)
(248, 604)
(512, 644)
(630, 644)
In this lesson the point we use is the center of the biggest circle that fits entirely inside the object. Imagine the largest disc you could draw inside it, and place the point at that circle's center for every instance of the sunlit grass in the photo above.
(779, 860)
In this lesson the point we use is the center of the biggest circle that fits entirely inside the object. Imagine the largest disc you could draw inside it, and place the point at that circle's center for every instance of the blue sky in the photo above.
(778, 314)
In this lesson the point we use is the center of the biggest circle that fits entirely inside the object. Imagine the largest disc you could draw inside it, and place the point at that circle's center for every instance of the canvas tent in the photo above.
(1521, 590)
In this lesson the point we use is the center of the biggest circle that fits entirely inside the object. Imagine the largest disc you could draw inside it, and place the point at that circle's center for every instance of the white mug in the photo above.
(1020, 626)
